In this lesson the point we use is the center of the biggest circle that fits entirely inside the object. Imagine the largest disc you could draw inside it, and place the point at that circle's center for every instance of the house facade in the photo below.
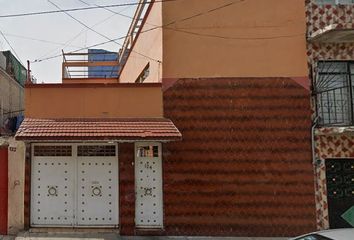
(330, 50)
(207, 131)
(236, 85)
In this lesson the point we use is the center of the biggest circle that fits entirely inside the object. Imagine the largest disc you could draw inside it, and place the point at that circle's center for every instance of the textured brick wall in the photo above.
(126, 189)
(244, 165)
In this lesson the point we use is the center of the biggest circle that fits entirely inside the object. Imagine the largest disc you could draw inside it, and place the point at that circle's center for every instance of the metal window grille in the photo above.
(52, 151)
(333, 88)
(96, 150)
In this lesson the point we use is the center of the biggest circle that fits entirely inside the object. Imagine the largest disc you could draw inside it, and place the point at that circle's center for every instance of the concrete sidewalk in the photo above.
(115, 236)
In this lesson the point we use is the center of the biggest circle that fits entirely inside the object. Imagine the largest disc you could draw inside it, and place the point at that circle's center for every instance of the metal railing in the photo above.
(90, 65)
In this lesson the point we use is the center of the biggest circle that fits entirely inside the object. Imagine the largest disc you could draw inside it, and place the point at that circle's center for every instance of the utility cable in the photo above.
(102, 35)
(7, 41)
(188, 32)
(112, 11)
(37, 39)
(82, 23)
(148, 30)
(78, 9)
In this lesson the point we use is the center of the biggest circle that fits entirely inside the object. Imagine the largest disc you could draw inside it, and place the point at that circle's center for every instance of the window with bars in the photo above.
(52, 151)
(333, 88)
(96, 150)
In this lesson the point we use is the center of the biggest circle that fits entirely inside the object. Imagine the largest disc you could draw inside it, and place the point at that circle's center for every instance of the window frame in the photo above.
(316, 93)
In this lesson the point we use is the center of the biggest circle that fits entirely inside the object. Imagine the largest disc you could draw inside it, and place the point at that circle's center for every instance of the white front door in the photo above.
(148, 185)
(74, 185)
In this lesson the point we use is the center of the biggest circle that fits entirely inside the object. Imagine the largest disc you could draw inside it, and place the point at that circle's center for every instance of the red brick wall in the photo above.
(244, 165)
(126, 189)
(3, 189)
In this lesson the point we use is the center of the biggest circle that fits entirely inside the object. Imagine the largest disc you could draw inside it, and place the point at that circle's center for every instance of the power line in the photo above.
(83, 24)
(36, 39)
(77, 35)
(184, 31)
(7, 41)
(148, 30)
(102, 35)
(234, 38)
(79, 9)
(110, 10)
(78, 50)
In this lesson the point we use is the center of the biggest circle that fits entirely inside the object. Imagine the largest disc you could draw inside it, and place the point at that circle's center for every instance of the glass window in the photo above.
(148, 151)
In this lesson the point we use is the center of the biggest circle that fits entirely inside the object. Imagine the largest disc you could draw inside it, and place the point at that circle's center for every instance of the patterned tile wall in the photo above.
(327, 144)
(338, 145)
(320, 16)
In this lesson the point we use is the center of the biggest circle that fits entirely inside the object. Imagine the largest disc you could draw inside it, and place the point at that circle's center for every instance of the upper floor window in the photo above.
(323, 2)
(144, 74)
(334, 87)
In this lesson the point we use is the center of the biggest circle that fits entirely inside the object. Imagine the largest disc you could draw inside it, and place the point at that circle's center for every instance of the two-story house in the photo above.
(330, 37)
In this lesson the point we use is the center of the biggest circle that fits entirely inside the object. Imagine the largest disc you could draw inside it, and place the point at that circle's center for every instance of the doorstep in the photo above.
(115, 236)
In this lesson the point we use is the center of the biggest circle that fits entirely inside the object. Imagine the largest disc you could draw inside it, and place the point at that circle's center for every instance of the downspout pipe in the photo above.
(314, 125)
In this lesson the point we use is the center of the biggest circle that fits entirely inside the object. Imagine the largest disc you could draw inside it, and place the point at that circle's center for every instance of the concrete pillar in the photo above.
(16, 168)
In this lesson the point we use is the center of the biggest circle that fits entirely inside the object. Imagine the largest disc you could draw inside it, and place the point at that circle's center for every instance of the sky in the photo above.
(57, 31)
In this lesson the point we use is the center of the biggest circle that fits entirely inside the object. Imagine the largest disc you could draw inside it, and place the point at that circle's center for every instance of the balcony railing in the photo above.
(94, 64)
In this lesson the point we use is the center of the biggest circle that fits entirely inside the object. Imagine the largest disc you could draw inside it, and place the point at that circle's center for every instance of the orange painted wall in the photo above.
(251, 38)
(149, 44)
(93, 101)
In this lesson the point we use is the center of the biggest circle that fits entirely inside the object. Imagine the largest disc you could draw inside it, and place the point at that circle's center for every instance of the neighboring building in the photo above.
(95, 55)
(330, 34)
(12, 79)
(236, 85)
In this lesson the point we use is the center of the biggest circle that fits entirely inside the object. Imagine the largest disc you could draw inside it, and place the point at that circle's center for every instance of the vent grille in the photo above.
(96, 150)
(52, 151)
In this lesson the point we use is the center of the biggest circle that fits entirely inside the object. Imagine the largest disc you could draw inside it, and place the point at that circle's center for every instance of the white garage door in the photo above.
(74, 185)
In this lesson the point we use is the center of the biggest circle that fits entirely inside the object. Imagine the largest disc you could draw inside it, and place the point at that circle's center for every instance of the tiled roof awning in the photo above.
(97, 129)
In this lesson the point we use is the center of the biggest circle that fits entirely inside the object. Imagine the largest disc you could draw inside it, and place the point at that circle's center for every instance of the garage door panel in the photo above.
(53, 186)
(97, 191)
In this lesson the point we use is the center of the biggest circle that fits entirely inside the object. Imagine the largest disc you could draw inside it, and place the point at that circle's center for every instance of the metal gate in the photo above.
(148, 185)
(340, 192)
(3, 189)
(74, 185)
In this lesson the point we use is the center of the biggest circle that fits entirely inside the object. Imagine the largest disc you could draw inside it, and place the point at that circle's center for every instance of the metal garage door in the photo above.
(74, 185)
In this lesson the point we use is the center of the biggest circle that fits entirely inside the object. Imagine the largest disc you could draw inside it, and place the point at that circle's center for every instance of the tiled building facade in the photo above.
(333, 141)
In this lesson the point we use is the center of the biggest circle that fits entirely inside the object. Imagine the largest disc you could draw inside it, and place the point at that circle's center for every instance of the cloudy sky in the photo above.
(42, 36)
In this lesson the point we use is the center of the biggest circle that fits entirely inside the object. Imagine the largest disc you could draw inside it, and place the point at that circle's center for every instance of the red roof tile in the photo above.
(97, 129)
